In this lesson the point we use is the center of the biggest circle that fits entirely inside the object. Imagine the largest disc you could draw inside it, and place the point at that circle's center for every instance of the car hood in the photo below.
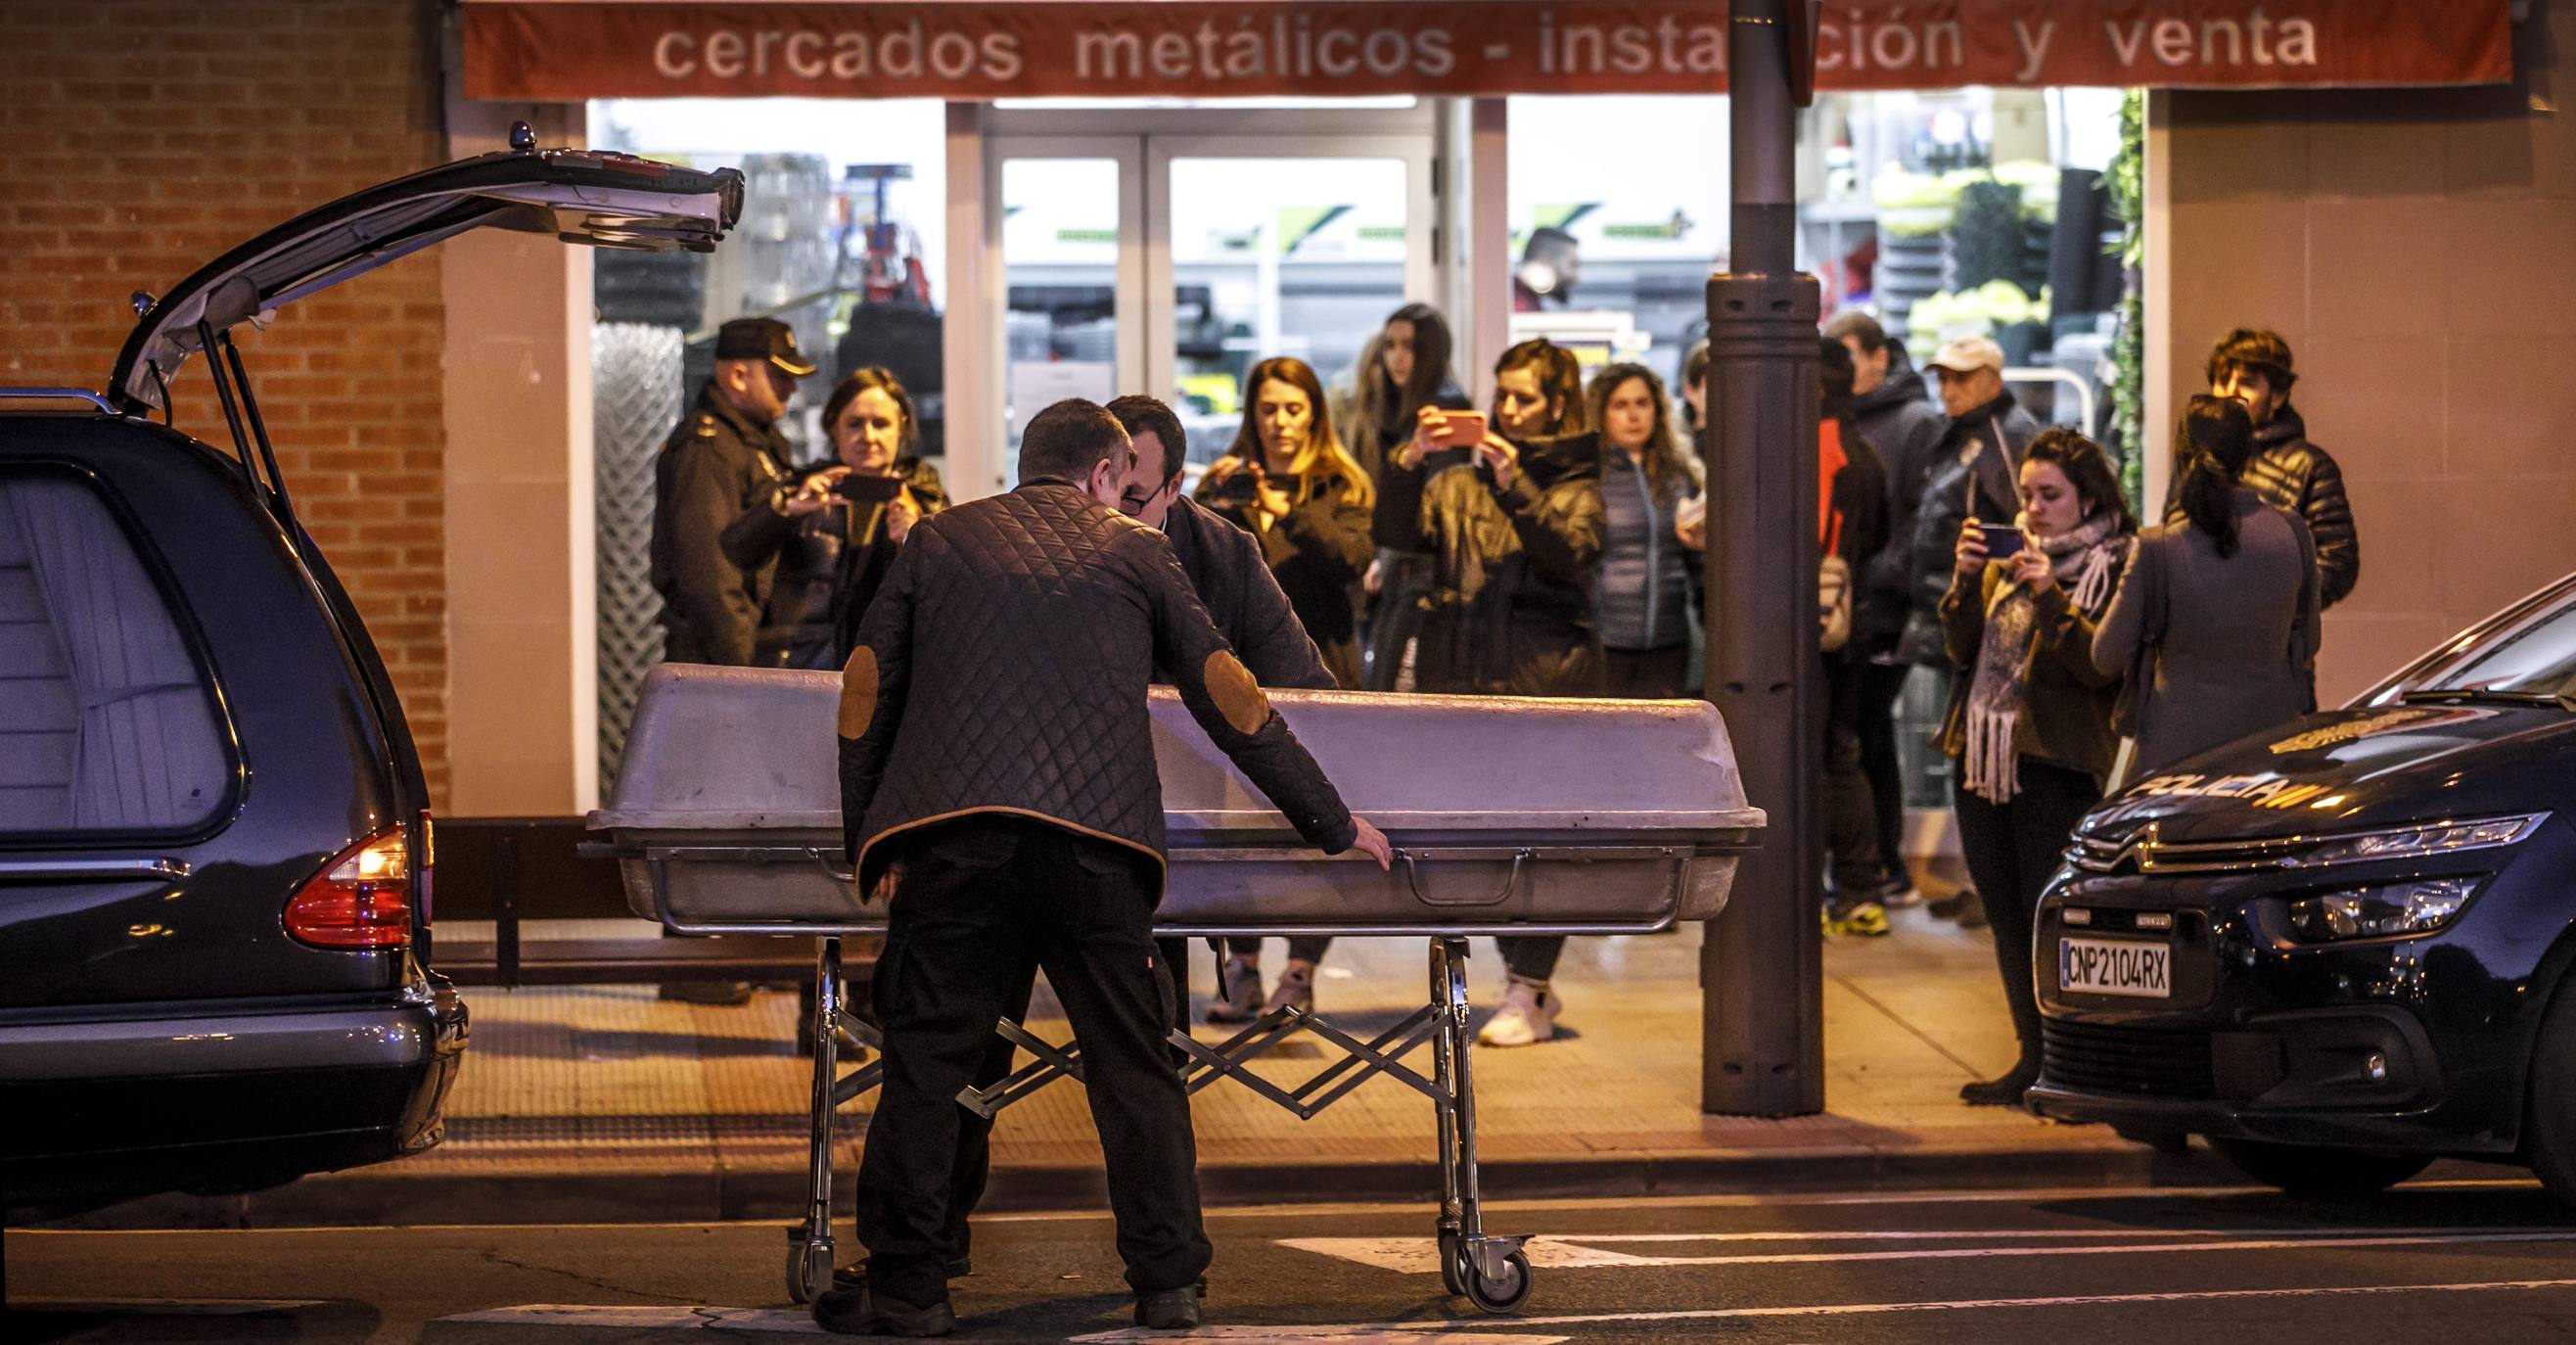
(578, 195)
(2356, 769)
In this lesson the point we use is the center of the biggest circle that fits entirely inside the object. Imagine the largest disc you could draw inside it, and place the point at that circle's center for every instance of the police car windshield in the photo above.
(2532, 659)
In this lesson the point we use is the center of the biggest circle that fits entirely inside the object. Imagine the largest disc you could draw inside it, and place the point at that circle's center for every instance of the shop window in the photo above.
(841, 237)
(1640, 184)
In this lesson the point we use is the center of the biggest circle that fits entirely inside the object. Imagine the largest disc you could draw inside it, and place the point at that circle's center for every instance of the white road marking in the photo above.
(786, 1321)
(656, 1317)
(1420, 1256)
(1850, 1310)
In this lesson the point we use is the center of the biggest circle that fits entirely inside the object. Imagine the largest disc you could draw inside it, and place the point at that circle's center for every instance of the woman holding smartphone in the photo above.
(1515, 533)
(835, 531)
(1646, 597)
(1289, 482)
(2216, 619)
(2030, 719)
(1405, 369)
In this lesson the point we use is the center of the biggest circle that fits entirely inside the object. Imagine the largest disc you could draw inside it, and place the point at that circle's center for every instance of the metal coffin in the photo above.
(1512, 815)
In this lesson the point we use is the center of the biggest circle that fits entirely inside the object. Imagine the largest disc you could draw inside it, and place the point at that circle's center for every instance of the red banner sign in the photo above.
(566, 50)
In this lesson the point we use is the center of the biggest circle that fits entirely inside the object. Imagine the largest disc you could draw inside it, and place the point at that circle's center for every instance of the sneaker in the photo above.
(1170, 1309)
(1238, 992)
(1528, 1016)
(1899, 890)
(861, 1311)
(1296, 990)
(1864, 919)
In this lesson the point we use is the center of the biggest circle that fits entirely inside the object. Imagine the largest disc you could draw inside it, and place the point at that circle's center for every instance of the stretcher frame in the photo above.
(1490, 1270)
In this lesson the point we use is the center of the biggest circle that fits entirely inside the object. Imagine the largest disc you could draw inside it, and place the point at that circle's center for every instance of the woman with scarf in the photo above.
(2216, 618)
(2030, 722)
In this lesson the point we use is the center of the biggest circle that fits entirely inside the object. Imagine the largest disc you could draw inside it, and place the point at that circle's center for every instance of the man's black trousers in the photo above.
(976, 901)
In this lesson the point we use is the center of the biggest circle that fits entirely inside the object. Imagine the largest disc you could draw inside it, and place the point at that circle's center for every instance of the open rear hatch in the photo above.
(579, 195)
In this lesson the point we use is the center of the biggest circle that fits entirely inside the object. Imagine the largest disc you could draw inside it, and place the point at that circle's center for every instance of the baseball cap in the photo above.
(1967, 354)
(762, 339)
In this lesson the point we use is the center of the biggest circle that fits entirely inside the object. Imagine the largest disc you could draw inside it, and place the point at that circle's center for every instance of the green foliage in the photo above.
(2128, 188)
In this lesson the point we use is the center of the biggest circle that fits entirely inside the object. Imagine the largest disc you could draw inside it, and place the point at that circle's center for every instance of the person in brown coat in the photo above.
(998, 789)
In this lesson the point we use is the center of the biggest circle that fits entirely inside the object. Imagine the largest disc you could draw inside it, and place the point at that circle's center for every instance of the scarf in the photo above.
(2082, 561)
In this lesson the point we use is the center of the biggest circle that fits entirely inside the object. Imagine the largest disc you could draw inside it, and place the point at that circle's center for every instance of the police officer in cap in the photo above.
(726, 457)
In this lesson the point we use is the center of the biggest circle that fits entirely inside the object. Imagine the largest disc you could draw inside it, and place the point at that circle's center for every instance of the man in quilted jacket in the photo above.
(998, 789)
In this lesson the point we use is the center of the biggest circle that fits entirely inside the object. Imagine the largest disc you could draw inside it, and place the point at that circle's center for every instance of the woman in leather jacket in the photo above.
(1516, 534)
(831, 560)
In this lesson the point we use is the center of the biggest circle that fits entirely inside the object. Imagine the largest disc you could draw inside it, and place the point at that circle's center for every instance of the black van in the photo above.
(2345, 947)
(215, 842)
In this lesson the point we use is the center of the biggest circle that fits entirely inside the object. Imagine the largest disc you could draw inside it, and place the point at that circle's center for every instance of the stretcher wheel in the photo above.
(1453, 1262)
(1503, 1293)
(800, 1281)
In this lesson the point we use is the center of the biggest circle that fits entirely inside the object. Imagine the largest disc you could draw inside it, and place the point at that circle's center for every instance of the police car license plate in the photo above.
(2115, 967)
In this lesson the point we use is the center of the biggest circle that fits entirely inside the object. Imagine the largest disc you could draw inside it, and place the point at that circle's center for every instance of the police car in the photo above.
(2341, 949)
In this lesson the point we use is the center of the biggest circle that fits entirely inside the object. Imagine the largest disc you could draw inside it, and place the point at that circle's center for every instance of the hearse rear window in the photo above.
(106, 723)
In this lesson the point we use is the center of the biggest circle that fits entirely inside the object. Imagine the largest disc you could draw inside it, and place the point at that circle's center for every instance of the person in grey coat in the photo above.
(2215, 623)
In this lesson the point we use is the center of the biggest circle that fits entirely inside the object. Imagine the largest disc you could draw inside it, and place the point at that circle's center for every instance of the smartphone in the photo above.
(1461, 429)
(1242, 487)
(859, 488)
(2002, 539)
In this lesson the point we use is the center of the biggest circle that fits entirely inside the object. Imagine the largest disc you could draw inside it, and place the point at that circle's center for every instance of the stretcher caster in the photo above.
(809, 1266)
(1498, 1293)
(1453, 1263)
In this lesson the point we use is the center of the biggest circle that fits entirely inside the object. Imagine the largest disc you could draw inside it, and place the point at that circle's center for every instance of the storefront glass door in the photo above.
(1072, 321)
(1269, 248)
(1173, 264)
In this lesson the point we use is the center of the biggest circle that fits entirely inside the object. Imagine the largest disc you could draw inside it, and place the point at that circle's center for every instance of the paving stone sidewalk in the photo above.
(608, 1103)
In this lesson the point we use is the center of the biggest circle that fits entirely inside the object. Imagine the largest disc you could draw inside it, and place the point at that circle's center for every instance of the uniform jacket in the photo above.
(1003, 669)
(1318, 550)
(1234, 583)
(830, 564)
(718, 465)
(1510, 611)
(2290, 473)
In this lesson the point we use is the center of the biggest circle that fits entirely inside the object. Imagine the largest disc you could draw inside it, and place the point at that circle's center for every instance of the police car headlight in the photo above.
(2385, 911)
(2427, 841)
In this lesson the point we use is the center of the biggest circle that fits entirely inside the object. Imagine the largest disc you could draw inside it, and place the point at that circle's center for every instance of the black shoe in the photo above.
(2004, 1092)
(855, 1274)
(861, 1311)
(1170, 1309)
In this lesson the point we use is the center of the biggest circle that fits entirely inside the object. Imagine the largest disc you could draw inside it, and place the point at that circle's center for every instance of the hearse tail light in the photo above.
(361, 900)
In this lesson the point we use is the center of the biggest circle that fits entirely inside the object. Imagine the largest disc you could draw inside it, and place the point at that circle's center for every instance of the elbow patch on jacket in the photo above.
(859, 693)
(1238, 697)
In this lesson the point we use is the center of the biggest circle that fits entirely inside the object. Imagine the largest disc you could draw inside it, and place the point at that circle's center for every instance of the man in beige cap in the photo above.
(1974, 474)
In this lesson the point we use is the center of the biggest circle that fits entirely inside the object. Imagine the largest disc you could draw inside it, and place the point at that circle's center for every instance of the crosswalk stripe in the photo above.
(1420, 1256)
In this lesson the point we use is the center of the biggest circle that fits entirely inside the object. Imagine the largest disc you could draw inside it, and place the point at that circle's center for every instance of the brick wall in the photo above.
(139, 139)
(2418, 249)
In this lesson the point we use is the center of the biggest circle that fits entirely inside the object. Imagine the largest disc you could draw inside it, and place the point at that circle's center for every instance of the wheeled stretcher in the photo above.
(1509, 816)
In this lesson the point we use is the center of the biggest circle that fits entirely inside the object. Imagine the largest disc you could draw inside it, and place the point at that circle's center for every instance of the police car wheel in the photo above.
(2316, 1173)
(2551, 1126)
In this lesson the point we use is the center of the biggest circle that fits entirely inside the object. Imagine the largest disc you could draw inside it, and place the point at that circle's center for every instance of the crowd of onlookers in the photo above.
(1390, 535)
